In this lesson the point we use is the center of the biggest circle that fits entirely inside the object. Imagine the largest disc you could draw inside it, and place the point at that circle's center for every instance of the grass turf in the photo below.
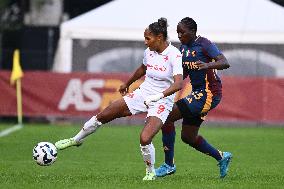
(111, 158)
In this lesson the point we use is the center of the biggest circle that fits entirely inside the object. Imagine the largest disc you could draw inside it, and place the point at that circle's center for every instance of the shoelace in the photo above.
(224, 164)
(164, 167)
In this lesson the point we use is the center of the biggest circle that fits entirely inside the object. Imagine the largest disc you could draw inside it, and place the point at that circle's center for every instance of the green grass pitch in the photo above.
(111, 158)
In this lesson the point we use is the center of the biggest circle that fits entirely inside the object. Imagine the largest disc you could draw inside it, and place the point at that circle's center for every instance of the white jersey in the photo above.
(160, 70)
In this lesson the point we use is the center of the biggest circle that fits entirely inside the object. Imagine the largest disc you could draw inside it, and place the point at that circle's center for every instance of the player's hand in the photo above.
(201, 65)
(153, 98)
(123, 89)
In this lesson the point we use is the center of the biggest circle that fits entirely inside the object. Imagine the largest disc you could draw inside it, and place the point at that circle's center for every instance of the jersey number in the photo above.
(196, 96)
(161, 109)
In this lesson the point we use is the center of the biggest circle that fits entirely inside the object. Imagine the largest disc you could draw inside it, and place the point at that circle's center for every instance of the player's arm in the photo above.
(176, 86)
(177, 75)
(220, 63)
(141, 71)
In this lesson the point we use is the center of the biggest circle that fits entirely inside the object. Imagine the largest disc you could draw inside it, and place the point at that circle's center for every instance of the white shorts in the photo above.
(159, 109)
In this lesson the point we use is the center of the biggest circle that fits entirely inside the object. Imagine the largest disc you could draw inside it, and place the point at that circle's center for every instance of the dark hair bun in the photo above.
(163, 22)
(159, 27)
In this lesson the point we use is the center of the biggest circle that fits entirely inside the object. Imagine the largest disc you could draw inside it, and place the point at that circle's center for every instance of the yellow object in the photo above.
(17, 72)
(16, 75)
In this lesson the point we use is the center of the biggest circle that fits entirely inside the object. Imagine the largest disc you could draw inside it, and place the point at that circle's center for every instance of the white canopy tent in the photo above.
(222, 21)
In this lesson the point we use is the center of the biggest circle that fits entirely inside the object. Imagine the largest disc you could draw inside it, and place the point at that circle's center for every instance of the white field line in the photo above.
(10, 130)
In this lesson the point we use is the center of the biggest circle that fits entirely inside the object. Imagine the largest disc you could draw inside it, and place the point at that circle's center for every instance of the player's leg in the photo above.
(156, 117)
(114, 110)
(168, 135)
(152, 127)
(189, 135)
(168, 139)
(193, 109)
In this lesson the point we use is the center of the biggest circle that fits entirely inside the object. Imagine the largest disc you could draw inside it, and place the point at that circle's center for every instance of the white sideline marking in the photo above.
(10, 130)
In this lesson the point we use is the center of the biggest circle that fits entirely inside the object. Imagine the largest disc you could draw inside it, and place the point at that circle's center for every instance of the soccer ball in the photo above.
(44, 153)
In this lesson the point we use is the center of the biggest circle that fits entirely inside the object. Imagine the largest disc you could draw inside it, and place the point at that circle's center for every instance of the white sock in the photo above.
(89, 127)
(148, 153)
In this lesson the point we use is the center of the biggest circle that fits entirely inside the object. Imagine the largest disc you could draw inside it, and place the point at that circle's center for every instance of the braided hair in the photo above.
(160, 27)
(189, 23)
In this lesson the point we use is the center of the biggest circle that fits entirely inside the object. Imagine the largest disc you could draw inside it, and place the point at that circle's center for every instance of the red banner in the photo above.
(245, 99)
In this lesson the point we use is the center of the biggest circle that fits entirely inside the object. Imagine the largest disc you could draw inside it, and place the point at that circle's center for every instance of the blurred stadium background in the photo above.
(76, 53)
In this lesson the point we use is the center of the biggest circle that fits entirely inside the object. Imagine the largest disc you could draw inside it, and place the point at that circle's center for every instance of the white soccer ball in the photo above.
(44, 153)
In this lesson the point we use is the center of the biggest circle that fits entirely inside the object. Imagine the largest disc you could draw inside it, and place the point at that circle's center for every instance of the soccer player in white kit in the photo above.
(162, 66)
